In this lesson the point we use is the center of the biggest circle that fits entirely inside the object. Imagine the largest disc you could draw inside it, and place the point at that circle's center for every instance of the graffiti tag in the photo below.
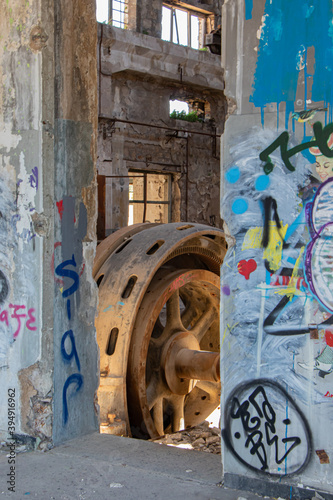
(321, 137)
(176, 284)
(69, 352)
(33, 178)
(264, 436)
(4, 288)
(5, 315)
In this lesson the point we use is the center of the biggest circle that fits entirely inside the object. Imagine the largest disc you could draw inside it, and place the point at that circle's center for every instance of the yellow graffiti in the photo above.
(253, 238)
(291, 289)
(273, 251)
(230, 328)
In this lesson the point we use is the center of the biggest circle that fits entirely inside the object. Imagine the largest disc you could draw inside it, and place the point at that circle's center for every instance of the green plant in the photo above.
(187, 117)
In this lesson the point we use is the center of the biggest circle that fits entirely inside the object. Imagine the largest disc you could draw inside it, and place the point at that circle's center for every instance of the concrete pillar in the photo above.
(277, 293)
(48, 120)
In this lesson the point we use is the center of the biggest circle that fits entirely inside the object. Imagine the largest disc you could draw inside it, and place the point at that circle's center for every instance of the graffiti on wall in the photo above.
(266, 430)
(67, 275)
(279, 305)
(20, 316)
(316, 264)
(285, 54)
(16, 207)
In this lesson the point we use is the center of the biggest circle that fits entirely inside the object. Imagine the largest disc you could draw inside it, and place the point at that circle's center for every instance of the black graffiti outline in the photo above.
(4, 288)
(321, 138)
(299, 330)
(269, 427)
(234, 397)
(269, 205)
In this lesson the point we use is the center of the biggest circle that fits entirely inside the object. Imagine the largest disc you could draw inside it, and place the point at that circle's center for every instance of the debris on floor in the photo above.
(201, 438)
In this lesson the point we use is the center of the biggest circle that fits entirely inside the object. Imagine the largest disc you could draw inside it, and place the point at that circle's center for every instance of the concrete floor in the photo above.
(100, 466)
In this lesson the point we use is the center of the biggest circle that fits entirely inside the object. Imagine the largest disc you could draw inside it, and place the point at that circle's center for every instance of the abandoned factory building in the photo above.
(166, 182)
(149, 164)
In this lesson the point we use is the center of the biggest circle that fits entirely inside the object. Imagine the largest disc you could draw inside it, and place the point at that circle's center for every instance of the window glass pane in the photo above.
(130, 214)
(102, 14)
(136, 212)
(179, 34)
(116, 16)
(118, 13)
(194, 32)
(166, 24)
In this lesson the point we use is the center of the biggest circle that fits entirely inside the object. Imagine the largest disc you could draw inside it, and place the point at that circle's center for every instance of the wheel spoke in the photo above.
(154, 391)
(178, 421)
(208, 387)
(158, 416)
(205, 321)
(173, 321)
(156, 344)
(188, 316)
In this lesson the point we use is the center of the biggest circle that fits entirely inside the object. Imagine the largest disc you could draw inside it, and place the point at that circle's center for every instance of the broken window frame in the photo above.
(145, 201)
(174, 25)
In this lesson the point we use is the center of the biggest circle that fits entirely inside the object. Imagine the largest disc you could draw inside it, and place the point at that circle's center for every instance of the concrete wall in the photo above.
(48, 108)
(138, 76)
(277, 305)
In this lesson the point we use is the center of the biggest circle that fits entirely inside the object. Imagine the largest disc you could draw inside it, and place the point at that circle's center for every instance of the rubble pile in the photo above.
(200, 438)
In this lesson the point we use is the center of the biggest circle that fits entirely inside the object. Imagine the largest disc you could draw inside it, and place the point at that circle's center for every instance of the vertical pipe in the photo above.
(186, 167)
(100, 72)
(145, 182)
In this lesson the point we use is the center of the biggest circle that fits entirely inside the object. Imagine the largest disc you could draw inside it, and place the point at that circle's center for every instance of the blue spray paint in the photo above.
(77, 379)
(239, 206)
(289, 30)
(248, 9)
(232, 175)
(68, 356)
(262, 183)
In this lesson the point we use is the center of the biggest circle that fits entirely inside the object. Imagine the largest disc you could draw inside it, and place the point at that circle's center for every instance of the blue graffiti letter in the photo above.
(60, 271)
(77, 379)
(68, 356)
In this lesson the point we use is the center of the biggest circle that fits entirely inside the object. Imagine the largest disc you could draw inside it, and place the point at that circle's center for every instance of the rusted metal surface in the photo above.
(156, 282)
(198, 365)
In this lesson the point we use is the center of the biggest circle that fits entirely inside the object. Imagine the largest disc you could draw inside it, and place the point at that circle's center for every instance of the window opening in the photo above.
(192, 110)
(149, 198)
(175, 105)
(183, 27)
(112, 12)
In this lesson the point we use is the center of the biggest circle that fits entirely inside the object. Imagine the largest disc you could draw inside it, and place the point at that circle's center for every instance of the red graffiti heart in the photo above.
(246, 267)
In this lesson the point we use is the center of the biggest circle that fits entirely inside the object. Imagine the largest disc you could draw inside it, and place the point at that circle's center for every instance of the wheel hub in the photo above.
(183, 363)
(170, 360)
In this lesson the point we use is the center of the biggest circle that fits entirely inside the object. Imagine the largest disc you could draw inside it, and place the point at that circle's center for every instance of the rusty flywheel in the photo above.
(158, 327)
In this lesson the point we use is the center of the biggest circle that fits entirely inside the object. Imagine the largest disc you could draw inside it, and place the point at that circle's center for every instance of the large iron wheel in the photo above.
(171, 382)
(158, 327)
